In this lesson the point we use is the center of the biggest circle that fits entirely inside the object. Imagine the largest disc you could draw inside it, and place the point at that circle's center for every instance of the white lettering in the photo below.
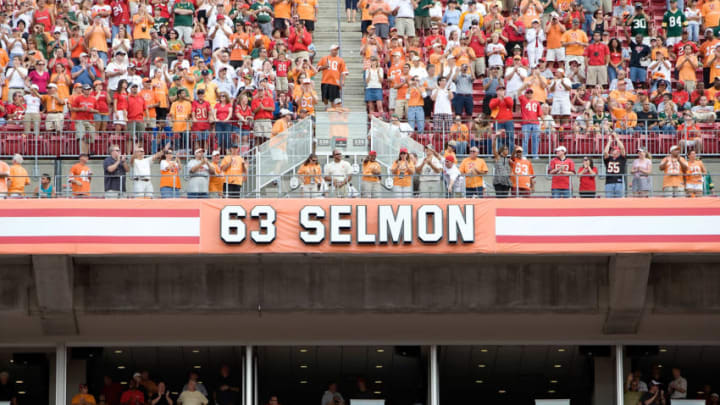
(338, 224)
(232, 227)
(464, 224)
(314, 231)
(361, 220)
(267, 216)
(437, 223)
(395, 225)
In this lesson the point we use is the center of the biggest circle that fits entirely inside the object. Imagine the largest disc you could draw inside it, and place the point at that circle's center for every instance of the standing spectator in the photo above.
(403, 169)
(575, 41)
(416, 99)
(678, 386)
(162, 396)
(615, 166)
(371, 186)
(597, 58)
(561, 168)
(199, 171)
(535, 38)
(96, 36)
(454, 184)
(380, 11)
(514, 30)
(490, 85)
(333, 74)
(638, 22)
(191, 395)
(180, 115)
(463, 96)
(111, 391)
(310, 175)
(18, 179)
(263, 106)
(501, 175)
(142, 181)
(137, 112)
(686, 65)
(183, 21)
(170, 183)
(555, 31)
(404, 17)
(83, 108)
(84, 73)
(638, 67)
(115, 169)
(32, 110)
(80, 177)
(531, 111)
(655, 396)
(560, 88)
(473, 168)
(442, 112)
(201, 119)
(515, 75)
(674, 166)
(523, 173)
(674, 23)
(502, 107)
(693, 15)
(338, 173)
(430, 171)
(694, 188)
(587, 174)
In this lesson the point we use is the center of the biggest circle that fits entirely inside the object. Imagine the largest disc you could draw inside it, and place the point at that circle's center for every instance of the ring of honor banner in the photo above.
(359, 226)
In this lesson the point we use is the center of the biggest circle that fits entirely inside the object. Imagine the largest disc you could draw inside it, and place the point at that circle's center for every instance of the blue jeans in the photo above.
(531, 131)
(474, 192)
(612, 73)
(485, 145)
(169, 192)
(560, 193)
(391, 21)
(614, 190)
(461, 147)
(587, 25)
(197, 195)
(665, 129)
(693, 30)
(638, 74)
(416, 118)
(223, 133)
(509, 133)
(103, 57)
(463, 102)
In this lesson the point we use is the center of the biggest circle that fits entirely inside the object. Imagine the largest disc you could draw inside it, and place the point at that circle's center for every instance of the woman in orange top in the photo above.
(694, 175)
(62, 80)
(170, 184)
(403, 169)
(310, 175)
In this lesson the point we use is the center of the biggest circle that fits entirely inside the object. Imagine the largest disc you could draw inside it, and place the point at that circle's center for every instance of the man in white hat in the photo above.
(561, 168)
(283, 123)
(333, 75)
(54, 108)
(674, 166)
(199, 170)
(32, 109)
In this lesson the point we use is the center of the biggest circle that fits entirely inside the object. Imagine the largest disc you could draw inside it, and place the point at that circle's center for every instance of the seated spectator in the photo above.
(83, 397)
(703, 112)
(191, 395)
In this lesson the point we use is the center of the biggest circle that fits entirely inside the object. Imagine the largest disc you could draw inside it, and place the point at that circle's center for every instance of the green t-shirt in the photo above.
(674, 23)
(262, 17)
(423, 12)
(184, 20)
(159, 21)
(639, 25)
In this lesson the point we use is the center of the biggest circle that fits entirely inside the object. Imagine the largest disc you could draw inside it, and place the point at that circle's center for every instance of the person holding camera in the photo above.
(199, 171)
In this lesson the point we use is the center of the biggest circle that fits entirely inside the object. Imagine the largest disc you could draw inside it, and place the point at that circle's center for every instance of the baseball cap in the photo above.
(86, 87)
(561, 70)
(52, 86)
(83, 54)
(284, 112)
(334, 46)
(199, 150)
(403, 150)
(674, 147)
(450, 158)
(176, 77)
(134, 85)
(205, 72)
(215, 153)
(372, 153)
(561, 148)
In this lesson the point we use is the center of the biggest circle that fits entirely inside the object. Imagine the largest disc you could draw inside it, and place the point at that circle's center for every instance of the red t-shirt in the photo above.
(101, 103)
(431, 38)
(136, 108)
(587, 182)
(530, 110)
(120, 13)
(561, 182)
(596, 54)
(121, 101)
(87, 102)
(201, 114)
(281, 67)
(222, 111)
(476, 46)
(504, 108)
(43, 17)
(679, 48)
(266, 101)
(680, 97)
(243, 112)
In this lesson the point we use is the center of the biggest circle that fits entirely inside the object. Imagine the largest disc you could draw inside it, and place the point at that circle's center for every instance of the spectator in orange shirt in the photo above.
(473, 168)
(333, 74)
(371, 169)
(235, 168)
(80, 177)
(674, 166)
(18, 179)
(310, 174)
(523, 174)
(403, 169)
(694, 175)
(460, 133)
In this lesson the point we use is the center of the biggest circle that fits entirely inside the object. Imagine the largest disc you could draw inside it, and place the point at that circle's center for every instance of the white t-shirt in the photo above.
(338, 171)
(560, 93)
(192, 398)
(442, 102)
(679, 383)
(96, 9)
(427, 173)
(516, 81)
(15, 81)
(405, 9)
(114, 67)
(375, 77)
(453, 173)
(496, 59)
(141, 167)
(32, 104)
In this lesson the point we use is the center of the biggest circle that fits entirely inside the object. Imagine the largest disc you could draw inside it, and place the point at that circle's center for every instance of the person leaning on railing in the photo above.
(115, 168)
(371, 186)
(234, 168)
(430, 170)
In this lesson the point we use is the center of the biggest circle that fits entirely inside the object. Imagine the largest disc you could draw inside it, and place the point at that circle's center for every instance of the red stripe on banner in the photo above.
(605, 212)
(96, 240)
(607, 239)
(100, 212)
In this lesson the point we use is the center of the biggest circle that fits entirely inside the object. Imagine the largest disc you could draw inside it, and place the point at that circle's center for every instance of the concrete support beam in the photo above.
(628, 284)
(53, 276)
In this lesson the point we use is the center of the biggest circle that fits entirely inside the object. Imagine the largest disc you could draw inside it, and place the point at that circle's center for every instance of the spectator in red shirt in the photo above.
(111, 391)
(243, 115)
(678, 49)
(434, 35)
(681, 97)
(263, 105)
(514, 31)
(597, 58)
(531, 112)
(517, 51)
(299, 40)
(133, 396)
(282, 66)
(83, 108)
(561, 168)
(588, 174)
(502, 110)
(137, 111)
(201, 118)
(120, 16)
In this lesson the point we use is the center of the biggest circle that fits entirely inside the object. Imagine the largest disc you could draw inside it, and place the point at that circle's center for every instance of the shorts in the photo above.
(560, 107)
(382, 30)
(674, 191)
(279, 24)
(555, 55)
(120, 117)
(102, 117)
(597, 75)
(351, 4)
(422, 23)
(373, 95)
(309, 25)
(405, 27)
(329, 92)
(392, 97)
(671, 41)
(262, 128)
(281, 84)
(54, 121)
(695, 188)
